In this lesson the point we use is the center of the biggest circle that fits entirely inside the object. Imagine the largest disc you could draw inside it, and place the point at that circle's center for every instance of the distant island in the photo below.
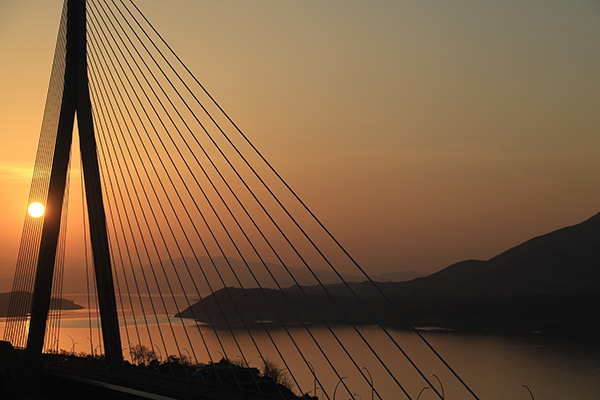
(63, 304)
(547, 284)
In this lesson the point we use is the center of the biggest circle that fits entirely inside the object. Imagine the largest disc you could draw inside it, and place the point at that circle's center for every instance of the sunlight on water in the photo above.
(495, 367)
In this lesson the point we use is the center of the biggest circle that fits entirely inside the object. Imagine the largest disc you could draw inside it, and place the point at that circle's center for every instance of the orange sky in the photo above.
(421, 133)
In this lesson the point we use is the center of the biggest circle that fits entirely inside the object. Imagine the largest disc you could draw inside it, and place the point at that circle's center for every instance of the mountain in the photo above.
(226, 266)
(566, 261)
(75, 275)
(74, 279)
(549, 283)
(397, 276)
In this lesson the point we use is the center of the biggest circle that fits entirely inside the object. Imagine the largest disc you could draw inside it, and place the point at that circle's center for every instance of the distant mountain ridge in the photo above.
(565, 261)
(225, 266)
(549, 283)
(397, 276)
(74, 277)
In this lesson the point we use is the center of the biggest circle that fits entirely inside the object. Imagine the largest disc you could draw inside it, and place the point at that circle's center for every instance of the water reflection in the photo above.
(495, 367)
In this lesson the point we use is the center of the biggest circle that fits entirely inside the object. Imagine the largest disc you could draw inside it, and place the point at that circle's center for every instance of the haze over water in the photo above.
(494, 366)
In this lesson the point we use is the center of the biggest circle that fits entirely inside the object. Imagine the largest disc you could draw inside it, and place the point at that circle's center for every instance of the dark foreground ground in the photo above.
(63, 376)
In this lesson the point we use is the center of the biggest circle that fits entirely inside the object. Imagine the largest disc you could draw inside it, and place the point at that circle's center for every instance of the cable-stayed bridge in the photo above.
(185, 223)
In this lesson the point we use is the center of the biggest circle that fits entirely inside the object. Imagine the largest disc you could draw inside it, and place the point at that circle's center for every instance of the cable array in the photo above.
(212, 251)
(20, 301)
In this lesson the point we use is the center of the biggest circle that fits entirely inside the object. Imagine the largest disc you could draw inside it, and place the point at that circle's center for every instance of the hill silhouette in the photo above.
(566, 261)
(547, 283)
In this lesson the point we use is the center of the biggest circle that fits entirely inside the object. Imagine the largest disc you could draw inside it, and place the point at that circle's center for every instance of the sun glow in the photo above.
(36, 209)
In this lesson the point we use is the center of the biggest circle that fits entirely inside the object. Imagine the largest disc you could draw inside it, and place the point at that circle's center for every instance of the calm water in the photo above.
(495, 367)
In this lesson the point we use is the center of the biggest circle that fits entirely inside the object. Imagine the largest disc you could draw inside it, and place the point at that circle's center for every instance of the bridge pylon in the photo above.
(75, 102)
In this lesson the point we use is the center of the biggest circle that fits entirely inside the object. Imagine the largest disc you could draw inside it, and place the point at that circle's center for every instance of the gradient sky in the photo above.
(421, 132)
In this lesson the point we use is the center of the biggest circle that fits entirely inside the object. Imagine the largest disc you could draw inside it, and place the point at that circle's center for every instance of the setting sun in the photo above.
(36, 209)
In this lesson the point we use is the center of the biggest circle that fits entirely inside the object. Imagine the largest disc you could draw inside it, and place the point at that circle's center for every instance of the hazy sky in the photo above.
(422, 132)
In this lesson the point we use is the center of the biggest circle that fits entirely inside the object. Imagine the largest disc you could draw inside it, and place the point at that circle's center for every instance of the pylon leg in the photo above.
(76, 98)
